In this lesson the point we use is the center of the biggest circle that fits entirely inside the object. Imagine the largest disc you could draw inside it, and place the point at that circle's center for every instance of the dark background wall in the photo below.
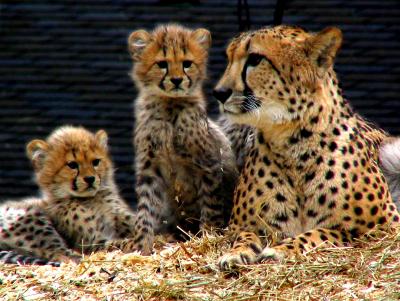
(65, 62)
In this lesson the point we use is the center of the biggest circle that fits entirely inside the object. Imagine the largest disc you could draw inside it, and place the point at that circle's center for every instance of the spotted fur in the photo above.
(80, 210)
(185, 170)
(312, 177)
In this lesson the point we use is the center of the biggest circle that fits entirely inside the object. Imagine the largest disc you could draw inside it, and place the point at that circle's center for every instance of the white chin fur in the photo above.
(267, 114)
(389, 159)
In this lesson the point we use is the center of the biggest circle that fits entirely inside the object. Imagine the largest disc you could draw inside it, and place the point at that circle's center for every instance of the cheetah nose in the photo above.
(222, 94)
(176, 81)
(89, 180)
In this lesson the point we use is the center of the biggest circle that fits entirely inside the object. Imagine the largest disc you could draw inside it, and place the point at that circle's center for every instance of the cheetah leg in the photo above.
(305, 242)
(152, 195)
(245, 250)
(212, 209)
(125, 224)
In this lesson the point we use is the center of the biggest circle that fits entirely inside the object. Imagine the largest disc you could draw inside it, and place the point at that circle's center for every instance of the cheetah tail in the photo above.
(16, 258)
(389, 161)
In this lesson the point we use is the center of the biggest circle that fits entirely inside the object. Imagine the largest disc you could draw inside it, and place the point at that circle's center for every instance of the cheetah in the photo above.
(80, 209)
(185, 168)
(312, 177)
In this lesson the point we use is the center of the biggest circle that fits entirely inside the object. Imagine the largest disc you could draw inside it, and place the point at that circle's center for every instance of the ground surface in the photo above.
(188, 271)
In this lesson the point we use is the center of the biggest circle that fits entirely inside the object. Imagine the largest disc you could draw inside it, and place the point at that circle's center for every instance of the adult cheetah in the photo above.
(312, 177)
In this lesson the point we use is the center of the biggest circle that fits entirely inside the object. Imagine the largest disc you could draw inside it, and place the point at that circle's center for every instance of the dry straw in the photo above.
(187, 271)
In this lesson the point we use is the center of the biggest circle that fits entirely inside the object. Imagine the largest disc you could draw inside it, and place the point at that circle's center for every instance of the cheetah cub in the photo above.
(80, 208)
(185, 169)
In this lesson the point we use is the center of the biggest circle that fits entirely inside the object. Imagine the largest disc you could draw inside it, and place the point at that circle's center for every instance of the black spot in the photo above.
(269, 184)
(303, 239)
(312, 213)
(354, 233)
(282, 217)
(358, 196)
(332, 146)
(147, 164)
(259, 192)
(261, 172)
(261, 139)
(293, 140)
(336, 131)
(382, 220)
(310, 176)
(322, 199)
(323, 237)
(347, 218)
(370, 225)
(304, 157)
(374, 210)
(358, 210)
(266, 161)
(145, 180)
(280, 197)
(314, 120)
(305, 133)
(329, 175)
(274, 174)
(332, 205)
(346, 165)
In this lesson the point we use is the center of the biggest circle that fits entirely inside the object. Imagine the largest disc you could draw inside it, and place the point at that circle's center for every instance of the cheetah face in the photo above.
(170, 61)
(72, 162)
(269, 71)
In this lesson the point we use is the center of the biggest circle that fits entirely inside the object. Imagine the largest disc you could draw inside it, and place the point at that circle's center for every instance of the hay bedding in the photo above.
(188, 271)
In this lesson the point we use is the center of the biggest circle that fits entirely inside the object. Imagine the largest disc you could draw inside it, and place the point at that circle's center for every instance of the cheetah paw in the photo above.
(271, 254)
(237, 257)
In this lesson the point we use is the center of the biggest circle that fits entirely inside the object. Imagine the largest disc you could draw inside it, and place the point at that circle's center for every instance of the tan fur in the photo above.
(184, 166)
(312, 177)
(80, 209)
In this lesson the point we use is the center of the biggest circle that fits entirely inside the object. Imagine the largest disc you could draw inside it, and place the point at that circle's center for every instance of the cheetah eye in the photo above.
(187, 64)
(162, 64)
(254, 59)
(96, 162)
(72, 165)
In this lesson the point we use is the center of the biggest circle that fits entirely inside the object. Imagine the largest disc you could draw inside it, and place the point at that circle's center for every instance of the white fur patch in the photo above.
(275, 113)
(389, 159)
(139, 43)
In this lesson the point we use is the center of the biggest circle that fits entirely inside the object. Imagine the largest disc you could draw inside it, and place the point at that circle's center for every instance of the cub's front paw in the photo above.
(239, 256)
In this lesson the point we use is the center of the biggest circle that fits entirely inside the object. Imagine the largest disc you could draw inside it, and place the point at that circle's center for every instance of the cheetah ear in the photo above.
(102, 139)
(137, 41)
(324, 46)
(203, 37)
(37, 151)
